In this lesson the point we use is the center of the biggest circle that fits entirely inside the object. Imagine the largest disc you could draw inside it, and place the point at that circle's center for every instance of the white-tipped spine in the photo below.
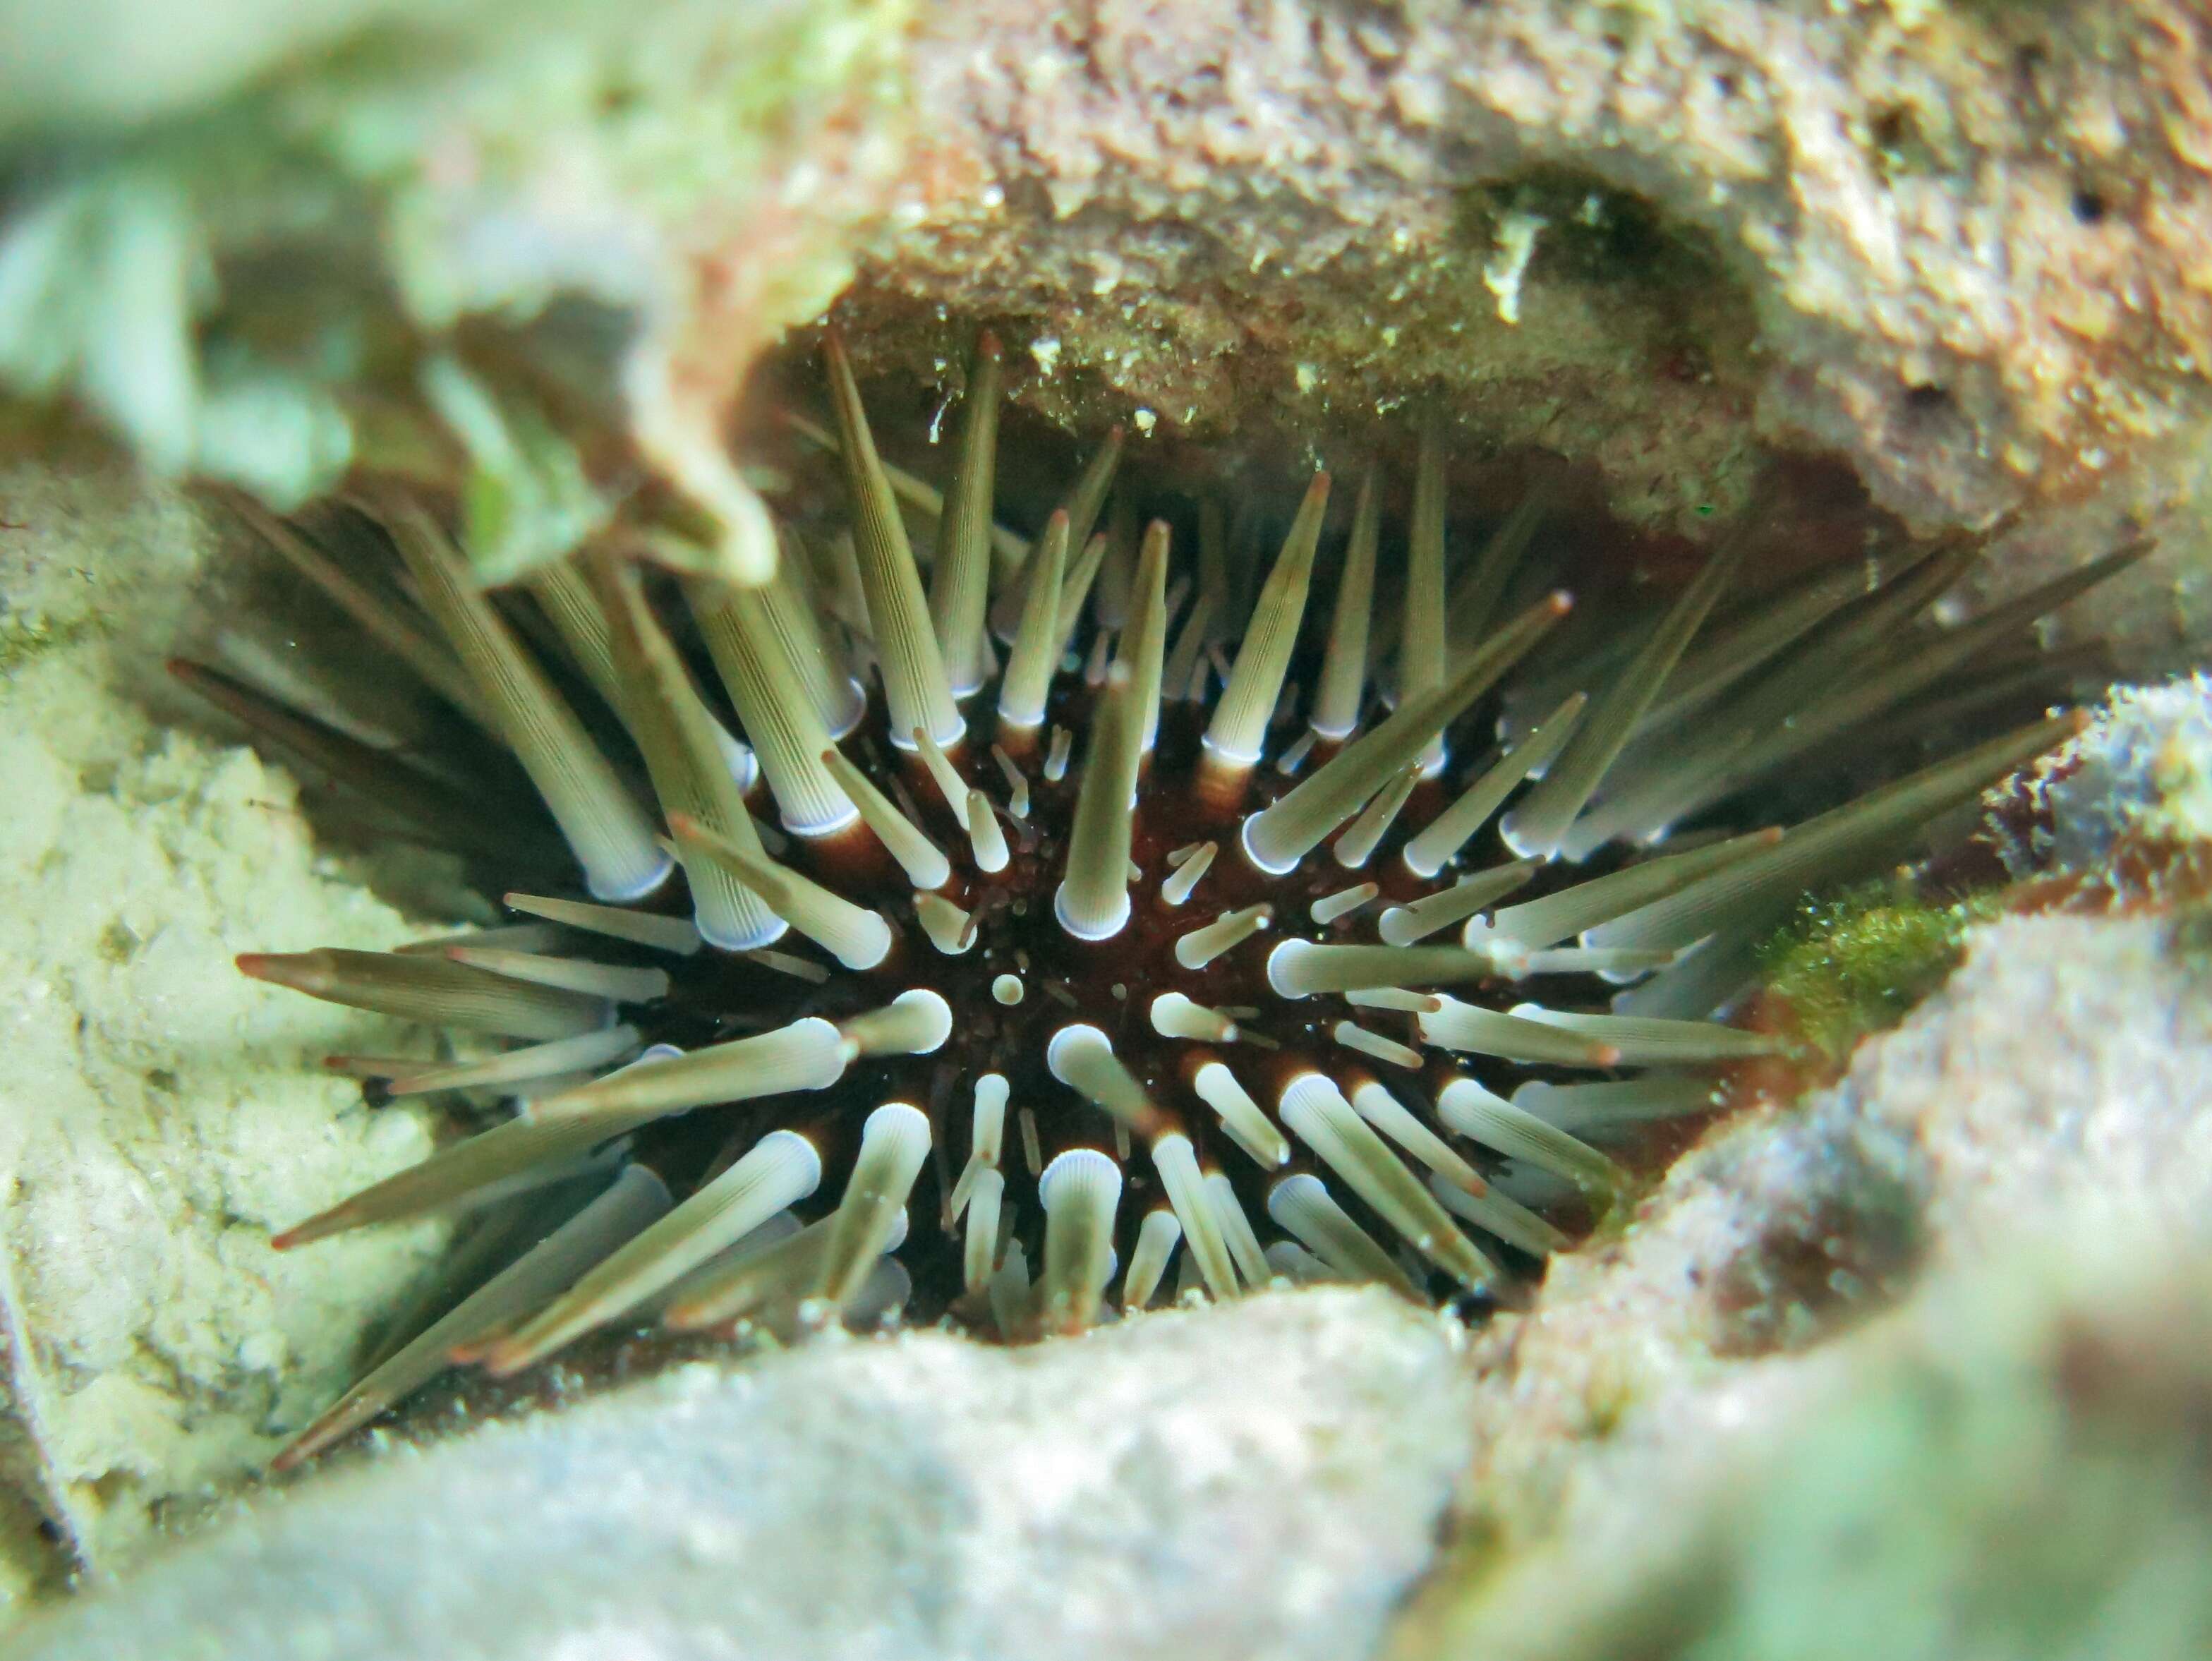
(1302, 1207)
(917, 1022)
(915, 684)
(1416, 920)
(1539, 824)
(1184, 877)
(922, 860)
(856, 936)
(979, 1256)
(1158, 1236)
(986, 841)
(1364, 834)
(1080, 1191)
(611, 838)
(1175, 1016)
(1343, 688)
(960, 584)
(1202, 946)
(1316, 1112)
(782, 1169)
(788, 732)
(1235, 1230)
(1437, 843)
(1176, 1162)
(986, 1136)
(1082, 1057)
(807, 1054)
(1247, 1123)
(1281, 834)
(951, 930)
(1482, 1116)
(894, 1142)
(1248, 702)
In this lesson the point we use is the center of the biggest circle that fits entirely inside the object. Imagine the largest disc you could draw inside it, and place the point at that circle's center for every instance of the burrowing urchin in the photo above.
(1031, 941)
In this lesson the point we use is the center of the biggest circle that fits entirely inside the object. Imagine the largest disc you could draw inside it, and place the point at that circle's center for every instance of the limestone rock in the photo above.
(157, 1117)
(1259, 1481)
(2011, 1465)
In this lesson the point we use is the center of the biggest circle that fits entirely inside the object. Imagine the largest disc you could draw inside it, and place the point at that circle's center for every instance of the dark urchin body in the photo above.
(1038, 978)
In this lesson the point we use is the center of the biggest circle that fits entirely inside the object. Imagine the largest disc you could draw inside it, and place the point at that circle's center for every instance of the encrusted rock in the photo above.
(1261, 1480)
(155, 1117)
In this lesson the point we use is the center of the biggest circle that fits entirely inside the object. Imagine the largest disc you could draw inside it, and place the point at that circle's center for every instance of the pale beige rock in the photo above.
(2057, 1089)
(1261, 1480)
(159, 1114)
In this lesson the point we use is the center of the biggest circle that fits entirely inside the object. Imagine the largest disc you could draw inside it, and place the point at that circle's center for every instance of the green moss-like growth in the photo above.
(1856, 963)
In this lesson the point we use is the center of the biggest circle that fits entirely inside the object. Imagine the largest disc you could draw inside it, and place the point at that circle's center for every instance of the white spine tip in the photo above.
(1079, 1171)
(629, 893)
(767, 933)
(1283, 969)
(1258, 860)
(1007, 989)
(933, 1020)
(1063, 1049)
(1089, 928)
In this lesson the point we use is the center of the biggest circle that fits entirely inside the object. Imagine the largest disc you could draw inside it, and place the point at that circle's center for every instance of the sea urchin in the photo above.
(1084, 900)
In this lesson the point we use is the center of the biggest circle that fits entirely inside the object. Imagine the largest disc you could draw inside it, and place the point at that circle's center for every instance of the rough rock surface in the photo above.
(1260, 1481)
(2060, 1083)
(1960, 245)
(157, 1115)
(1682, 1438)
(2011, 1465)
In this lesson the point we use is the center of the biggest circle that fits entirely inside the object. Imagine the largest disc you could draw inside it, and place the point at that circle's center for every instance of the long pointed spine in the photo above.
(1421, 632)
(1439, 841)
(430, 989)
(1343, 688)
(924, 862)
(1480, 588)
(1539, 824)
(1027, 683)
(634, 1199)
(434, 810)
(1084, 500)
(380, 619)
(914, 681)
(679, 740)
(1240, 720)
(959, 587)
(856, 936)
(1075, 589)
(1568, 912)
(1829, 846)
(1092, 901)
(1279, 836)
(1143, 643)
(610, 836)
(780, 719)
